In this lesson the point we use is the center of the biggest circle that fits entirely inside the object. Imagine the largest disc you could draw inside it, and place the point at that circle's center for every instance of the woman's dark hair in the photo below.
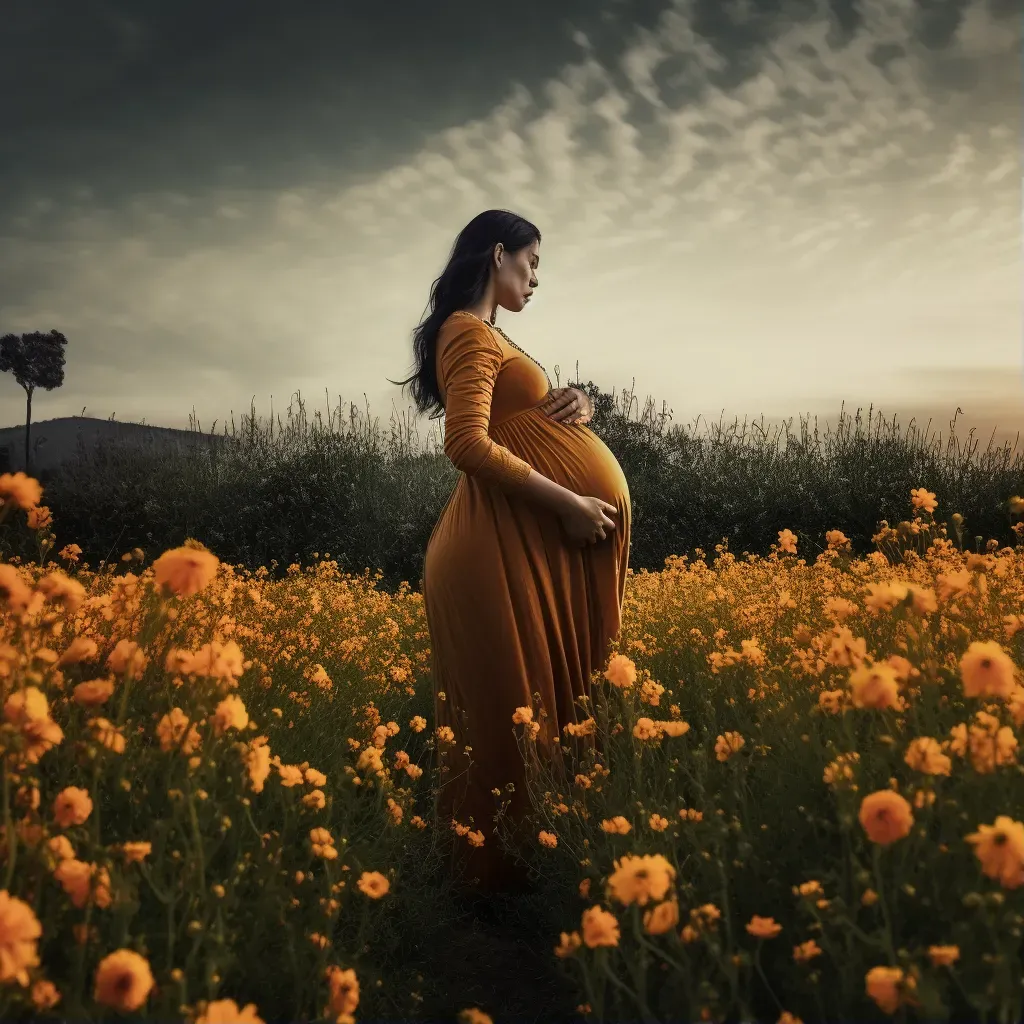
(462, 283)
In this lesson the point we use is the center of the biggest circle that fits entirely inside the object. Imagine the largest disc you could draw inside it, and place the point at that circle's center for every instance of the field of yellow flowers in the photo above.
(798, 795)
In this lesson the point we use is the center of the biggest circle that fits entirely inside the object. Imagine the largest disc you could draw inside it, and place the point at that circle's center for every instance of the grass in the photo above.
(289, 492)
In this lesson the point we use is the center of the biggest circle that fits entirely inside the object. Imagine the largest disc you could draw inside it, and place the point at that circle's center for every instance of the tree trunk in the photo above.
(28, 424)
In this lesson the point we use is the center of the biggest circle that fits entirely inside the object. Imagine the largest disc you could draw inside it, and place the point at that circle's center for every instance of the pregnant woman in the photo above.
(525, 571)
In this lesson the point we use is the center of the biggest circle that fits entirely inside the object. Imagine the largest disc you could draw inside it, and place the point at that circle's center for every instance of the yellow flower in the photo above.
(943, 956)
(925, 755)
(230, 713)
(641, 879)
(787, 541)
(600, 928)
(174, 729)
(21, 490)
(373, 884)
(127, 659)
(659, 919)
(1000, 849)
(257, 762)
(986, 670)
(889, 987)
(568, 944)
(875, 686)
(886, 817)
(923, 499)
(617, 825)
(621, 672)
(107, 734)
(20, 931)
(227, 1011)
(806, 951)
(473, 1015)
(186, 570)
(763, 927)
(72, 806)
(81, 648)
(646, 729)
(45, 995)
(123, 981)
(93, 693)
(344, 991)
(548, 839)
(728, 744)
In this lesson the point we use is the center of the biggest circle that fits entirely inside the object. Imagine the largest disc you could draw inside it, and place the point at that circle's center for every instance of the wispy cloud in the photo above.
(748, 229)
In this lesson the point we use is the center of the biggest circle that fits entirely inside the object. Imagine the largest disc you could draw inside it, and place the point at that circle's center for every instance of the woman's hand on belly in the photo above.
(568, 405)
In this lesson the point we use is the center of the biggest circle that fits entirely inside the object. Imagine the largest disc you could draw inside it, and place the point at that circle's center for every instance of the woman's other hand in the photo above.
(569, 405)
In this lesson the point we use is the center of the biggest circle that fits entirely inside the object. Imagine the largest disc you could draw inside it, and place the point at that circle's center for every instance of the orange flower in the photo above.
(21, 490)
(107, 734)
(1000, 849)
(889, 987)
(641, 879)
(600, 928)
(617, 825)
(787, 541)
(875, 686)
(134, 853)
(19, 932)
(885, 816)
(45, 995)
(621, 672)
(763, 927)
(568, 944)
(474, 1015)
(227, 1011)
(925, 755)
(923, 499)
(257, 763)
(344, 991)
(174, 729)
(373, 884)
(806, 951)
(548, 839)
(230, 714)
(986, 670)
(661, 918)
(728, 744)
(80, 880)
(13, 589)
(646, 729)
(72, 806)
(93, 692)
(127, 659)
(943, 956)
(81, 648)
(123, 981)
(185, 570)
(60, 589)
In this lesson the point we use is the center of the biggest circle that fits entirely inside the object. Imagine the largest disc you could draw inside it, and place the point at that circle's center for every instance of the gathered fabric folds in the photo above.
(513, 609)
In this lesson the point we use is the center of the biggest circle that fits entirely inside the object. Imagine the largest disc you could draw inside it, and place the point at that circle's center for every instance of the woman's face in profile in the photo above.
(517, 277)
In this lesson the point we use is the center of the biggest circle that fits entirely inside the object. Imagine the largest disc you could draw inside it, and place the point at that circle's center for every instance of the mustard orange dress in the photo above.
(512, 606)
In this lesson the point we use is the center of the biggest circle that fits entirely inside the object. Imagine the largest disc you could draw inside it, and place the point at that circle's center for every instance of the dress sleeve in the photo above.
(470, 363)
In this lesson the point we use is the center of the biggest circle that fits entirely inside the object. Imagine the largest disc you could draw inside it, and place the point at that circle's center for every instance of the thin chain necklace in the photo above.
(495, 327)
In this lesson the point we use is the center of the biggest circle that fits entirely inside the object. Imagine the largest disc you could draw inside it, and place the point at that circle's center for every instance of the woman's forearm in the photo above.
(546, 492)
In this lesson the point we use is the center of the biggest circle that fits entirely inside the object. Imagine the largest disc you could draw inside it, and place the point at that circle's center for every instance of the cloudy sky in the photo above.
(749, 207)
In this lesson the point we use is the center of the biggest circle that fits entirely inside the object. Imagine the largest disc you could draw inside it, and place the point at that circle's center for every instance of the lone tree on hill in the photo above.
(37, 361)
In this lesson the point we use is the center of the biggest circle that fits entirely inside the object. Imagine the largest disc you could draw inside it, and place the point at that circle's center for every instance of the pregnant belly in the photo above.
(572, 456)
